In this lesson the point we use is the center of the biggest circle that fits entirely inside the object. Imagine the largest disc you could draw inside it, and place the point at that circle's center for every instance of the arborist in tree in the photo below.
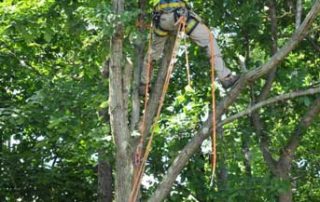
(165, 15)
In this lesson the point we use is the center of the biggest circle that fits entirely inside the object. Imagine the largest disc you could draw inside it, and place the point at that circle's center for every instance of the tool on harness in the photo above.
(192, 20)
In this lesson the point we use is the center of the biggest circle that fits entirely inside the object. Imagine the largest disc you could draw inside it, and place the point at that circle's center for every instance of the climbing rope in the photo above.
(186, 56)
(139, 150)
(213, 134)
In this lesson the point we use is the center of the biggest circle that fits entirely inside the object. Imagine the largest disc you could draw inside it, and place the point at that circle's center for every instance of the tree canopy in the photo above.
(70, 110)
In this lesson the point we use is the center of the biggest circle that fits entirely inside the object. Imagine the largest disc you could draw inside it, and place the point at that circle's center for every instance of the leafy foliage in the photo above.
(51, 94)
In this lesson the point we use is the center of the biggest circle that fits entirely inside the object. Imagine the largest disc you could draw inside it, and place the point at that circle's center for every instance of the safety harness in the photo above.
(179, 8)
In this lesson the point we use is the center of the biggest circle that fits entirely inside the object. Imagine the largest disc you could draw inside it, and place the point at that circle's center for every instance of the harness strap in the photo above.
(169, 6)
(160, 32)
(191, 25)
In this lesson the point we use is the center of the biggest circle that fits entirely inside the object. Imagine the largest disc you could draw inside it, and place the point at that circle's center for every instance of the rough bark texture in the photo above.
(222, 169)
(298, 13)
(182, 158)
(117, 110)
(104, 182)
(139, 48)
(286, 157)
(156, 89)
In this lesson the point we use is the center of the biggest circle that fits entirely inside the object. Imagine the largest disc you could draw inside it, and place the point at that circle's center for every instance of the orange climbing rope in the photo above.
(139, 150)
(213, 135)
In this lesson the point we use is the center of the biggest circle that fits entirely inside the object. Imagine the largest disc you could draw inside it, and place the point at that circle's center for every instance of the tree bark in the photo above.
(182, 158)
(298, 13)
(117, 111)
(153, 102)
(284, 163)
(139, 52)
(222, 169)
(104, 182)
(270, 101)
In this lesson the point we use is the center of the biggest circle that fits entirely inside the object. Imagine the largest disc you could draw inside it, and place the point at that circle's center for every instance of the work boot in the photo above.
(229, 81)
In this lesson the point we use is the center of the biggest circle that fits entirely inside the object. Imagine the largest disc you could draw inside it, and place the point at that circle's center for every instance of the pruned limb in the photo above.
(182, 158)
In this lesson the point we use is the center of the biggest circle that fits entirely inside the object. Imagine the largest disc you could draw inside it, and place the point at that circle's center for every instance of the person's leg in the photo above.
(157, 47)
(201, 36)
(161, 32)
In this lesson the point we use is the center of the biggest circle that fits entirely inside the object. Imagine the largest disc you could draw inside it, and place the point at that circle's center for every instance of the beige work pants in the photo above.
(200, 35)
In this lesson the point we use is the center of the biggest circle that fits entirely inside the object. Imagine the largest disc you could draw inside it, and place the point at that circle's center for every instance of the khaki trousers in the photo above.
(200, 35)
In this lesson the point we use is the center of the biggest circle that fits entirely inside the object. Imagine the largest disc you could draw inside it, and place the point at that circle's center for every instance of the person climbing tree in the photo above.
(165, 16)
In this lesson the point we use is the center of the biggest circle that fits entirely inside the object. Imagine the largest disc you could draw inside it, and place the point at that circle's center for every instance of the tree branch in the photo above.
(183, 157)
(298, 13)
(139, 52)
(117, 110)
(313, 43)
(261, 104)
(290, 45)
(302, 126)
(257, 122)
(153, 102)
(126, 83)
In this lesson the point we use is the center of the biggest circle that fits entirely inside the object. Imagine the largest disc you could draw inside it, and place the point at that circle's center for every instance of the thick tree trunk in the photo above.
(118, 111)
(285, 196)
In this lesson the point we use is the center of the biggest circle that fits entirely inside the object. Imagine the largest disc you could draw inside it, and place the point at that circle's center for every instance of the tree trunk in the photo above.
(283, 170)
(104, 182)
(118, 111)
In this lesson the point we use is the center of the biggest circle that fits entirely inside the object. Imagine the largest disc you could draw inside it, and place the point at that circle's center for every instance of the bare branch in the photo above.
(301, 32)
(298, 13)
(303, 125)
(270, 101)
